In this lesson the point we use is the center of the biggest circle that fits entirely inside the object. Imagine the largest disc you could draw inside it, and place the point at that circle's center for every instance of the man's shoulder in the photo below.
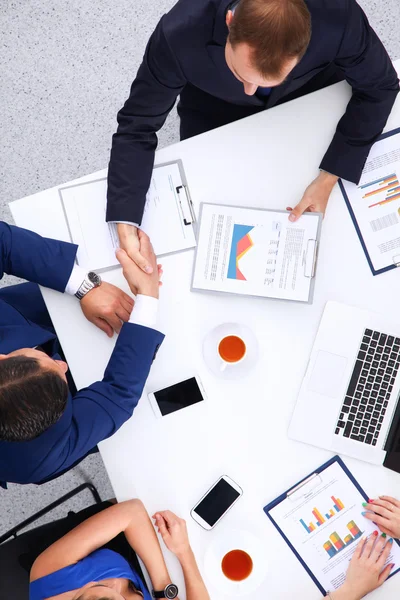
(190, 21)
(330, 8)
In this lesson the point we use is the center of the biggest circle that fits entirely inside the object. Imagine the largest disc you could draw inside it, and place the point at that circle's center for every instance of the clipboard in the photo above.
(301, 489)
(396, 257)
(308, 266)
(168, 201)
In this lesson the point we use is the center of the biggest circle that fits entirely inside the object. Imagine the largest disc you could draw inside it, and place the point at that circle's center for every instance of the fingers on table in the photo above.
(113, 319)
(169, 517)
(127, 301)
(390, 500)
(377, 519)
(123, 313)
(378, 509)
(161, 526)
(103, 325)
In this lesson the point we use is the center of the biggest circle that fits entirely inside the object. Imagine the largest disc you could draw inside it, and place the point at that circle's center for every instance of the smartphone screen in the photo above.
(178, 396)
(217, 502)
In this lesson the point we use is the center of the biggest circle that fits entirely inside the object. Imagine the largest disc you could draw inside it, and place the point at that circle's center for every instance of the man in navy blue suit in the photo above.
(44, 428)
(228, 59)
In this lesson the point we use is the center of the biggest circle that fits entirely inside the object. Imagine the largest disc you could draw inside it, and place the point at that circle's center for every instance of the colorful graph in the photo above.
(241, 244)
(389, 185)
(337, 507)
(335, 543)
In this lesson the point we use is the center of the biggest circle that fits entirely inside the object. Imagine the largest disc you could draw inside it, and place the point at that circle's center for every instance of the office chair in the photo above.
(14, 574)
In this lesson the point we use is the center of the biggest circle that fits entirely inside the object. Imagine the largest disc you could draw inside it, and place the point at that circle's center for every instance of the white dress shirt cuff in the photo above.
(125, 223)
(76, 279)
(145, 311)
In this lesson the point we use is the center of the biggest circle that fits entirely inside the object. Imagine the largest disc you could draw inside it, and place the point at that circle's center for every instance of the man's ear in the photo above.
(229, 17)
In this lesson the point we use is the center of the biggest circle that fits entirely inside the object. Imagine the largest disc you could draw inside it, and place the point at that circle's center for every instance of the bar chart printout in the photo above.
(337, 507)
(383, 191)
(335, 543)
(327, 551)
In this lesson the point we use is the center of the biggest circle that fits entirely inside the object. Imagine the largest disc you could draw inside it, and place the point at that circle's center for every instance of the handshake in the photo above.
(107, 306)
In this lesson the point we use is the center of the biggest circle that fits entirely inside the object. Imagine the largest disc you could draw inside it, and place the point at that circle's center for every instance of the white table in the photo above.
(169, 463)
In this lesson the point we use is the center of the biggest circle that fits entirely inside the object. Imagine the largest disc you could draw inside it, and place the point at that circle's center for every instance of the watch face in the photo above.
(171, 591)
(94, 278)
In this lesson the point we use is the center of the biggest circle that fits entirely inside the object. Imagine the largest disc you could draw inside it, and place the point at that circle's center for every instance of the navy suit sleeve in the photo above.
(100, 409)
(37, 259)
(367, 67)
(158, 83)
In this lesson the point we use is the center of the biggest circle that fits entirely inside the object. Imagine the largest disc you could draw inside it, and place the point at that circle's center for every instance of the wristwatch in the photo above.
(91, 281)
(170, 592)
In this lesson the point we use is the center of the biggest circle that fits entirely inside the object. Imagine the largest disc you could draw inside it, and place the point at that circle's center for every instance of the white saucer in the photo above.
(235, 540)
(213, 359)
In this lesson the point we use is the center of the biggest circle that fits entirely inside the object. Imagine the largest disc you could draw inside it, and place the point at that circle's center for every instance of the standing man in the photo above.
(228, 60)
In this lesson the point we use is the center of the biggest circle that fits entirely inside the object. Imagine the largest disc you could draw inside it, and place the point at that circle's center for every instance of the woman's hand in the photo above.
(367, 569)
(385, 512)
(173, 531)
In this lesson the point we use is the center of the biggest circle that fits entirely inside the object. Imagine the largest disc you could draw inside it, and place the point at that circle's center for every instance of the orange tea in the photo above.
(237, 565)
(232, 348)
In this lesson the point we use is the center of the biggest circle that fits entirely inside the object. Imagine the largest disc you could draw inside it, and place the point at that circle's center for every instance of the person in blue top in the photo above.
(45, 426)
(76, 567)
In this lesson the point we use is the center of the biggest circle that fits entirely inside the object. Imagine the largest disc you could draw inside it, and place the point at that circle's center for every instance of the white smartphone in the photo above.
(216, 502)
(175, 397)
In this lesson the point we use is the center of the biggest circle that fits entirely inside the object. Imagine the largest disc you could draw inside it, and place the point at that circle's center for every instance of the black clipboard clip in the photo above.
(310, 258)
(185, 200)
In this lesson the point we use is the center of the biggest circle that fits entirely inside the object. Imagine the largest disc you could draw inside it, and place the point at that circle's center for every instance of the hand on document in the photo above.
(140, 282)
(129, 240)
(315, 197)
(107, 307)
(385, 512)
(367, 569)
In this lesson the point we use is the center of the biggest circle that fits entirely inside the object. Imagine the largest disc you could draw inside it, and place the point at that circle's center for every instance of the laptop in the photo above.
(349, 398)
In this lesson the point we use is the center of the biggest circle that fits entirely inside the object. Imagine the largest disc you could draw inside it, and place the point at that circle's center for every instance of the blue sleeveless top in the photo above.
(102, 564)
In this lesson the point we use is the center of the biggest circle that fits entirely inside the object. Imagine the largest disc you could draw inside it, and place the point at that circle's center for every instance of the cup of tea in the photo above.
(232, 350)
(237, 565)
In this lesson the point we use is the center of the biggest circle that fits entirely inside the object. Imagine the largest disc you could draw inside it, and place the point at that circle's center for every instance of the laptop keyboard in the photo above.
(371, 384)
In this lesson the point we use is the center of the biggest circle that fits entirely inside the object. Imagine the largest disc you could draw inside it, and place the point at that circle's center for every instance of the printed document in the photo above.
(166, 220)
(375, 203)
(324, 524)
(256, 252)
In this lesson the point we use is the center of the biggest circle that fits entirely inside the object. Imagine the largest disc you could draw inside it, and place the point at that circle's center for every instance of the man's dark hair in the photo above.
(275, 30)
(31, 398)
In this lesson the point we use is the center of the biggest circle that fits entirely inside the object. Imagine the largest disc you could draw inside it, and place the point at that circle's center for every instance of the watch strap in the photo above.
(164, 593)
(85, 287)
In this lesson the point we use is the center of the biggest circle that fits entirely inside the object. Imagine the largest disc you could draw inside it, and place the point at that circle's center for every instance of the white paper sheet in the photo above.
(328, 548)
(163, 220)
(255, 252)
(376, 202)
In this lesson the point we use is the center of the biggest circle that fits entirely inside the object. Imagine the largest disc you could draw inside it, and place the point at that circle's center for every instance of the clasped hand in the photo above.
(107, 306)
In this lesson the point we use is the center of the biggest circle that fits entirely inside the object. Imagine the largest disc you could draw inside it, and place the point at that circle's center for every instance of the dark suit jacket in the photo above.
(95, 412)
(188, 47)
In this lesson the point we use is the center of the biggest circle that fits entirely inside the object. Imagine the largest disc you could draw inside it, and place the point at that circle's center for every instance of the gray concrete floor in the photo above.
(65, 70)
